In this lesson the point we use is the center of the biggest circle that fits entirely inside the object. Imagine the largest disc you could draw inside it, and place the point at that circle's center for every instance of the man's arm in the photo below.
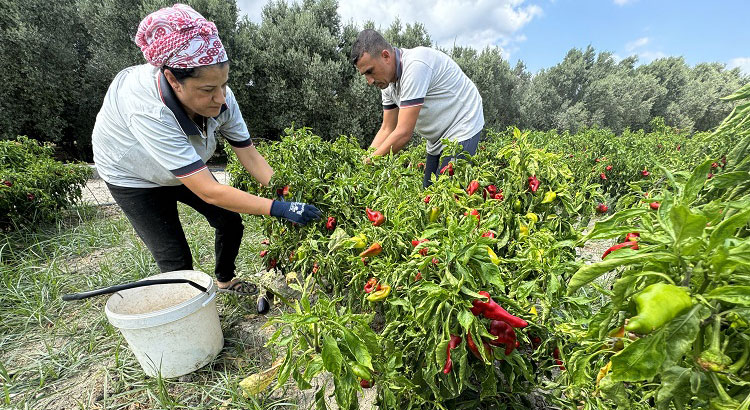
(390, 119)
(401, 134)
(254, 163)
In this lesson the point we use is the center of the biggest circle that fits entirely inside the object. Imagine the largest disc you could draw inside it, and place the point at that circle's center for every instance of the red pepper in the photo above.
(536, 341)
(418, 276)
(505, 335)
(710, 175)
(375, 217)
(498, 196)
(679, 147)
(427, 199)
(654, 205)
(533, 183)
(602, 208)
(420, 165)
(263, 253)
(448, 168)
(265, 242)
(714, 165)
(597, 160)
(608, 168)
(556, 355)
(415, 242)
(366, 384)
(491, 310)
(723, 160)
(632, 236)
(373, 250)
(603, 176)
(435, 261)
(371, 285)
(454, 342)
(488, 234)
(474, 212)
(473, 187)
(364, 261)
(474, 349)
(315, 268)
(283, 191)
(632, 244)
(331, 223)
(645, 173)
(491, 189)
(272, 263)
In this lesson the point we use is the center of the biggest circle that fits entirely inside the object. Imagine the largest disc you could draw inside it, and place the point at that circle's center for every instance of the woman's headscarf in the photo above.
(179, 37)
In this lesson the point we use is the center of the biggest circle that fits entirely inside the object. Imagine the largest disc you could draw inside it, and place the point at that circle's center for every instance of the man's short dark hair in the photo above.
(368, 41)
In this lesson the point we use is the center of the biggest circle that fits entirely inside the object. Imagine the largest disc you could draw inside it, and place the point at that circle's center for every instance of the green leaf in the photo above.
(640, 360)
(696, 182)
(728, 227)
(738, 295)
(588, 273)
(686, 224)
(608, 228)
(730, 179)
(681, 332)
(332, 358)
(675, 385)
(358, 348)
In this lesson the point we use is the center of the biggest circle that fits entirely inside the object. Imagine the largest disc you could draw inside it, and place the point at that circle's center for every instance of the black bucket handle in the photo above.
(117, 288)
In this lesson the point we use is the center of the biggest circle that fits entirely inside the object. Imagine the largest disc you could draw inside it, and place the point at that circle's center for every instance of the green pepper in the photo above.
(549, 196)
(517, 205)
(434, 214)
(713, 359)
(359, 241)
(493, 256)
(361, 371)
(658, 304)
(380, 294)
(532, 217)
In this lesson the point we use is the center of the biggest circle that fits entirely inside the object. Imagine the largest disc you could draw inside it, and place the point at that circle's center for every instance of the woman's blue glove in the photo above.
(295, 211)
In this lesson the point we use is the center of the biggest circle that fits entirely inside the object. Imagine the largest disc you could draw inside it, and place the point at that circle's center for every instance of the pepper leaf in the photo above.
(588, 273)
(332, 357)
(686, 224)
(696, 182)
(640, 360)
(738, 295)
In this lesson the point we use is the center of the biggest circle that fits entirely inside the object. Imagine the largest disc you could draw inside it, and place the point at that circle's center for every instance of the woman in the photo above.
(157, 128)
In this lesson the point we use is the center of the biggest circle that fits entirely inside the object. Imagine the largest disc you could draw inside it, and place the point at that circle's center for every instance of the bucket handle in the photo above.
(117, 288)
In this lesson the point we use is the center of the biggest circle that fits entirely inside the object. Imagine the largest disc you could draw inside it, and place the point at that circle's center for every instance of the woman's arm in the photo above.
(254, 163)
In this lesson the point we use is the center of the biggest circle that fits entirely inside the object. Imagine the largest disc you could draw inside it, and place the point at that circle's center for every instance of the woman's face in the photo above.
(205, 93)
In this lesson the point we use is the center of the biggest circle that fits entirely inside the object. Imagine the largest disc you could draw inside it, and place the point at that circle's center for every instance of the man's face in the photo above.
(379, 70)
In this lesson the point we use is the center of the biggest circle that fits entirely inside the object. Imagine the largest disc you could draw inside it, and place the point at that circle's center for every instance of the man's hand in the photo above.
(298, 212)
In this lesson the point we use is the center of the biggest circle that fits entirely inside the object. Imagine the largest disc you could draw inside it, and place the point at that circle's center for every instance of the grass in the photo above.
(63, 355)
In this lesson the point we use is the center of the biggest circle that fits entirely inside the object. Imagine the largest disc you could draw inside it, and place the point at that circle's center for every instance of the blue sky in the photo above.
(540, 32)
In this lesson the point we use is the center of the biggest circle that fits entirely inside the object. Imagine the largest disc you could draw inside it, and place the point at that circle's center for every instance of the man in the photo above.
(423, 90)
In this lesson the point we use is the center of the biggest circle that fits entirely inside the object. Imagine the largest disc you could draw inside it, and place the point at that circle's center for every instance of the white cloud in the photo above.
(636, 44)
(646, 57)
(742, 62)
(476, 23)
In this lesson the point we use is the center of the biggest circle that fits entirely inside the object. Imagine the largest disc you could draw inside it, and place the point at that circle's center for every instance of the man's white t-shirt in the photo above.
(143, 138)
(451, 104)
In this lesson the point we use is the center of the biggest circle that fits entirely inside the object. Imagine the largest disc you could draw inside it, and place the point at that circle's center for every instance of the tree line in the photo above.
(59, 57)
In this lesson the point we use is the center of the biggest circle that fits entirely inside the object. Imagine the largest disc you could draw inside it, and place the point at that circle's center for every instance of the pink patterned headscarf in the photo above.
(179, 37)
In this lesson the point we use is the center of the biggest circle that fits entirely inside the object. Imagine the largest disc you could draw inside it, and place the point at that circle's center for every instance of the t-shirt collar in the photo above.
(170, 100)
(399, 67)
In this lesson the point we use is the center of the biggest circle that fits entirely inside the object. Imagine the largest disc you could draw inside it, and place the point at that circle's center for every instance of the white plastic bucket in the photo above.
(173, 329)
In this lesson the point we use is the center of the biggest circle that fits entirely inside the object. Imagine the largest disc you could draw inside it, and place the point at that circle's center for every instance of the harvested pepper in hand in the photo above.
(632, 244)
(373, 250)
(491, 310)
(331, 223)
(473, 187)
(379, 294)
(658, 304)
(375, 217)
(533, 183)
(549, 196)
(454, 342)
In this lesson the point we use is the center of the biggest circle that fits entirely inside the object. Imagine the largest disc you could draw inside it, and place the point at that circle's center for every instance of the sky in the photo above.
(540, 32)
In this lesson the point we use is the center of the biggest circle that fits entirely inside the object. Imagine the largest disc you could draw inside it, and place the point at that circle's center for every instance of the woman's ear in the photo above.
(172, 80)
